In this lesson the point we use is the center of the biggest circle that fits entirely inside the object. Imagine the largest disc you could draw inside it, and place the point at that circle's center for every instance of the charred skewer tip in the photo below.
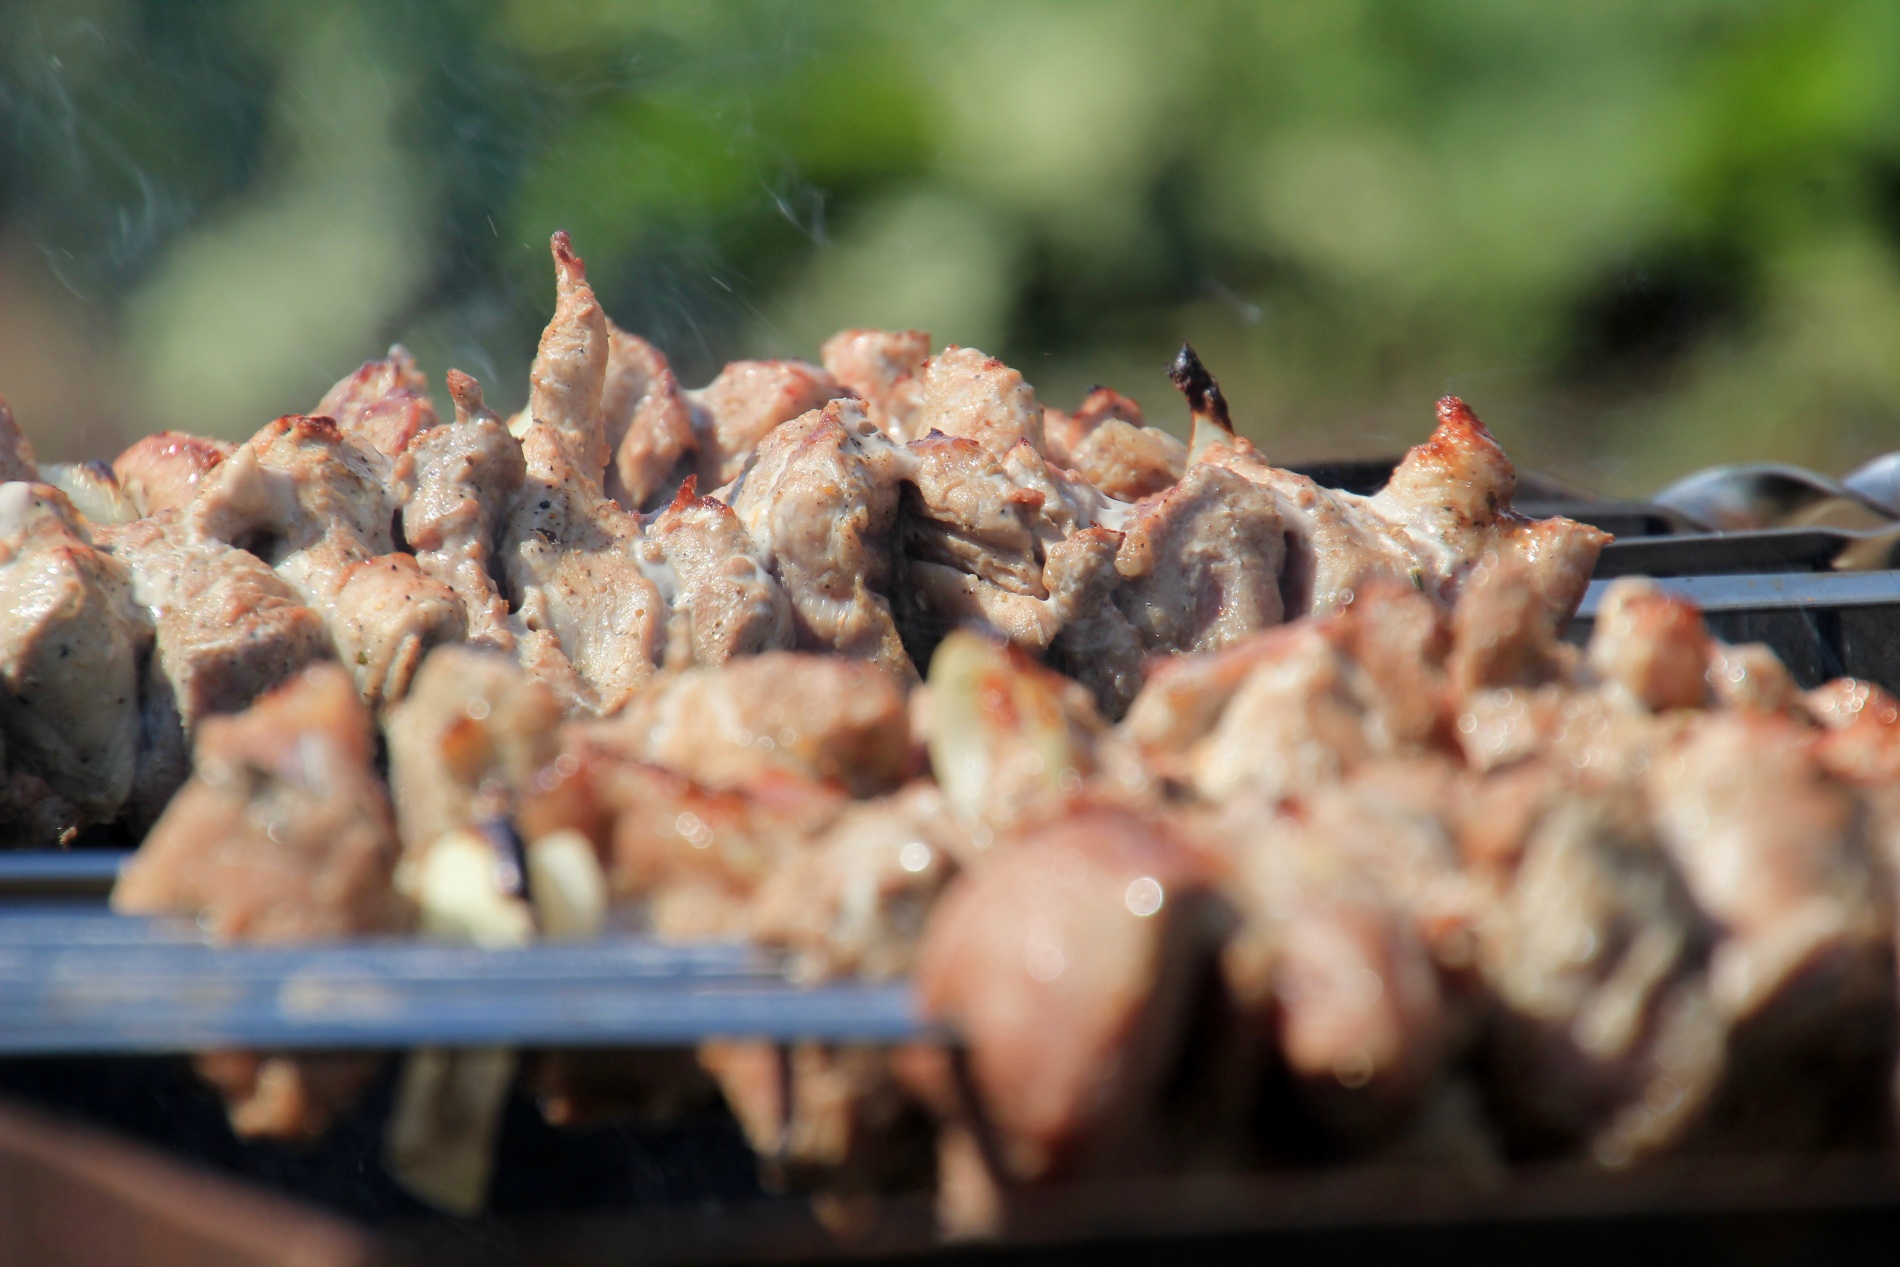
(1202, 390)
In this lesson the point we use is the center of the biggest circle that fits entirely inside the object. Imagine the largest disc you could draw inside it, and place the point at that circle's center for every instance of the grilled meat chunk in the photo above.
(1070, 961)
(820, 501)
(1605, 1038)
(283, 834)
(855, 902)
(813, 717)
(459, 481)
(744, 403)
(467, 742)
(16, 451)
(968, 394)
(725, 602)
(884, 369)
(70, 647)
(384, 402)
(1330, 968)
(225, 627)
(647, 418)
(165, 470)
(590, 621)
(318, 505)
(1776, 854)
(1105, 443)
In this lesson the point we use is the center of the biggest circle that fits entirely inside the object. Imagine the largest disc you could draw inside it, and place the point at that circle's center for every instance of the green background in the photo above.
(1638, 237)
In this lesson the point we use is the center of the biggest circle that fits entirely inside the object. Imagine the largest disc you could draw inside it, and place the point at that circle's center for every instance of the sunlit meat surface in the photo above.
(70, 645)
(164, 471)
(386, 402)
(225, 627)
(459, 481)
(592, 623)
(820, 500)
(318, 505)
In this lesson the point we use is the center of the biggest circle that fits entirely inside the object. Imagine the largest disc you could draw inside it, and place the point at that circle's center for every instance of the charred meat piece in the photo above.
(164, 471)
(385, 402)
(70, 647)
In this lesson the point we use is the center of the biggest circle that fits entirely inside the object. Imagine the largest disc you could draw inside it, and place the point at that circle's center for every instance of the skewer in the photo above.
(147, 990)
(60, 872)
(1790, 591)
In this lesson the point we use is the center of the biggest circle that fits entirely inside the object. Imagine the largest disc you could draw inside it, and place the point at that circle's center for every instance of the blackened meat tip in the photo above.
(1192, 380)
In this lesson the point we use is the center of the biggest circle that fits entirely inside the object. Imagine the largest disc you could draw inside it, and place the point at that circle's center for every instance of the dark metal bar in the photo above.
(60, 872)
(96, 983)
(1789, 591)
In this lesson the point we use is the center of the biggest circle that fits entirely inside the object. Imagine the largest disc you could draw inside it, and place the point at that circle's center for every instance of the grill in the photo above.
(95, 1010)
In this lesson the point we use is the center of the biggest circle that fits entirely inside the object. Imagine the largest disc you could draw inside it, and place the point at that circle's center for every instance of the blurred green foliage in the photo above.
(1639, 237)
